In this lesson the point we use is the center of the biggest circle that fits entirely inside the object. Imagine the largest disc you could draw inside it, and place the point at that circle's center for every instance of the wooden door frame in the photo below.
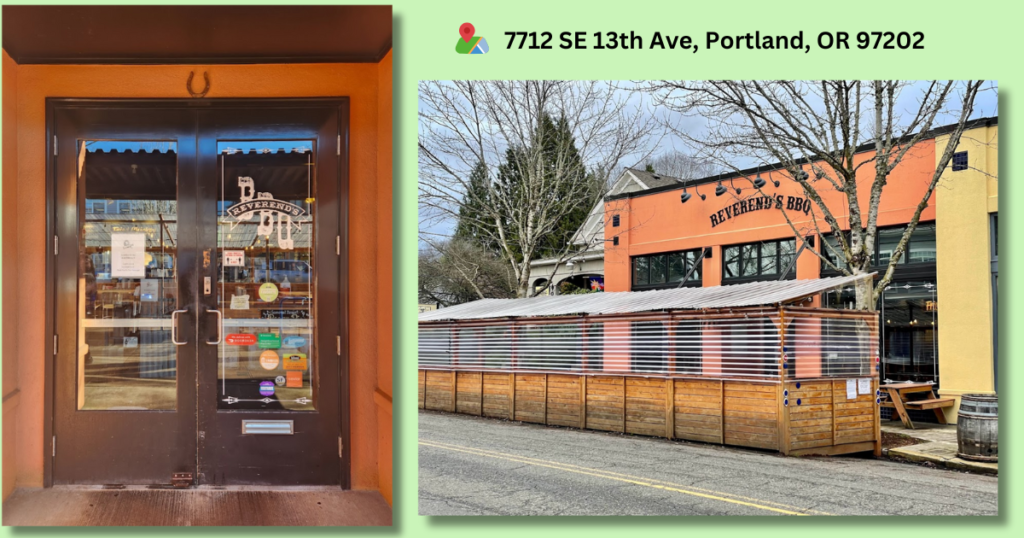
(51, 346)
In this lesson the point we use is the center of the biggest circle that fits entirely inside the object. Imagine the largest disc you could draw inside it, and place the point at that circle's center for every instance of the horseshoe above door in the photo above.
(188, 85)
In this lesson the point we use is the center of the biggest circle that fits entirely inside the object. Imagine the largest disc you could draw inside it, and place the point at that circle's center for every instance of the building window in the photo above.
(615, 221)
(666, 270)
(759, 261)
(688, 346)
(549, 347)
(595, 346)
(959, 161)
(910, 350)
(920, 248)
(96, 207)
(615, 240)
(124, 207)
(648, 346)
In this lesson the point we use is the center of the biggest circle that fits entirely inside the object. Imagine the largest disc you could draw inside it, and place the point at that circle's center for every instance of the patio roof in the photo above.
(767, 293)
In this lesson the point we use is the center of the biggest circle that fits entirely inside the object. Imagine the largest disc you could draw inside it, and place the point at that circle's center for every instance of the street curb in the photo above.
(943, 454)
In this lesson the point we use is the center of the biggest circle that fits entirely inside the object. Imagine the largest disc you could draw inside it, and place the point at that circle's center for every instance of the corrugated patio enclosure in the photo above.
(742, 365)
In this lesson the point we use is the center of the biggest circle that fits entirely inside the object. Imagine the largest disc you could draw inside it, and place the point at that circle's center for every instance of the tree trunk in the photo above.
(524, 289)
(865, 288)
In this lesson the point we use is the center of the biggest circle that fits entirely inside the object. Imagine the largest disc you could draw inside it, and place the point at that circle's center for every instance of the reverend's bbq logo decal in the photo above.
(272, 213)
(760, 203)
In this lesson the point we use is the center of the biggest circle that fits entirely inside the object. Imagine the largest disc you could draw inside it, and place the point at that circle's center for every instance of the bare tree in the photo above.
(684, 166)
(456, 271)
(813, 129)
(502, 125)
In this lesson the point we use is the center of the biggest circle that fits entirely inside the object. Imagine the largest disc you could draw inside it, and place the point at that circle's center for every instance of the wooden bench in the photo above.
(895, 396)
(936, 403)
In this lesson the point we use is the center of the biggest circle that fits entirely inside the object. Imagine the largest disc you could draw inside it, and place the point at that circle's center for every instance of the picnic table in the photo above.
(898, 398)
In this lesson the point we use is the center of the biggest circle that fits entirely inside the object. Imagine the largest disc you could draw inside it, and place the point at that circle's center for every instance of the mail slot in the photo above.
(268, 427)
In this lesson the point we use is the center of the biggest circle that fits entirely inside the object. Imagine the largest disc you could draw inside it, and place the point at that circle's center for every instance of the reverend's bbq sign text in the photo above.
(761, 203)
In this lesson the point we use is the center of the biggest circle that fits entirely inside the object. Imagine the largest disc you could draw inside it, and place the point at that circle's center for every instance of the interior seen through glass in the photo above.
(266, 284)
(127, 287)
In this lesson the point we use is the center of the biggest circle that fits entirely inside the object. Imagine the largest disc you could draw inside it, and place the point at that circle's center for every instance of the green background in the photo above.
(963, 40)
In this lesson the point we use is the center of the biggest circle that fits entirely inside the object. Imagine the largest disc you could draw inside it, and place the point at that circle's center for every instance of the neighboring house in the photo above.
(586, 268)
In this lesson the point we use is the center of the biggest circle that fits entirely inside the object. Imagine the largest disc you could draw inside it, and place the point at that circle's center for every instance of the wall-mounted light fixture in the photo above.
(759, 182)
(685, 197)
(720, 189)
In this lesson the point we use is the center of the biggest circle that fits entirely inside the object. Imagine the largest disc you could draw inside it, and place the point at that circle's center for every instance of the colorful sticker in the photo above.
(279, 380)
(269, 341)
(234, 258)
(240, 339)
(294, 341)
(269, 359)
(267, 388)
(294, 379)
(295, 361)
(268, 292)
(239, 302)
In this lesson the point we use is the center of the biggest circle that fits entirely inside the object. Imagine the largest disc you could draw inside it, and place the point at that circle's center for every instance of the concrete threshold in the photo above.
(199, 506)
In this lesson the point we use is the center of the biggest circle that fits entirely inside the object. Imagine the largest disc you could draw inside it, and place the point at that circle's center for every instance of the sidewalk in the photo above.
(937, 445)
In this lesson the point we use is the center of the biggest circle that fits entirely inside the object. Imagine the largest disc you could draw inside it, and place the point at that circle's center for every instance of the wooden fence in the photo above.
(795, 417)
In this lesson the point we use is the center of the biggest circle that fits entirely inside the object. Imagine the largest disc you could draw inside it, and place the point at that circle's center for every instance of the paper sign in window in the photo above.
(128, 255)
(234, 258)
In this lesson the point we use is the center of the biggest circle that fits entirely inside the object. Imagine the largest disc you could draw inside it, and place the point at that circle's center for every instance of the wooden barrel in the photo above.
(977, 427)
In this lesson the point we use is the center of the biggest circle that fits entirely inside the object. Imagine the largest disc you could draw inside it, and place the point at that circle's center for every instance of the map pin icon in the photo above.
(466, 31)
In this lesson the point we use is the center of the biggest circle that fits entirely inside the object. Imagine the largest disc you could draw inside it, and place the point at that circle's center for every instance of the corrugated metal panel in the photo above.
(738, 295)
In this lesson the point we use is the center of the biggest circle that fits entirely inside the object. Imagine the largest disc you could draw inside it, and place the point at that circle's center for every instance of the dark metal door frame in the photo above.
(62, 220)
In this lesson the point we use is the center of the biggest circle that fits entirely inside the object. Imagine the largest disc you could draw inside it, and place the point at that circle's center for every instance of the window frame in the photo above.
(757, 246)
(904, 267)
(696, 280)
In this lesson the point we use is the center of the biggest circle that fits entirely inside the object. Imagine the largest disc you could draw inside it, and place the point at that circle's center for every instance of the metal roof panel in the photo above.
(738, 295)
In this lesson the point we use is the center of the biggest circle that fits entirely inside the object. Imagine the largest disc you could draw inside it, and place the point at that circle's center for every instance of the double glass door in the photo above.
(199, 293)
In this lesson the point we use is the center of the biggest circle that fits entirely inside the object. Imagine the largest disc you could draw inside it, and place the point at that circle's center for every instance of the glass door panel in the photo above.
(265, 291)
(127, 282)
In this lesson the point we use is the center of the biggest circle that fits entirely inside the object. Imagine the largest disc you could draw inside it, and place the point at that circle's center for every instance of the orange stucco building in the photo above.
(721, 230)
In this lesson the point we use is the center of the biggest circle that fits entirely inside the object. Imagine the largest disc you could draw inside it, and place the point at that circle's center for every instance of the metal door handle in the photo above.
(174, 327)
(220, 327)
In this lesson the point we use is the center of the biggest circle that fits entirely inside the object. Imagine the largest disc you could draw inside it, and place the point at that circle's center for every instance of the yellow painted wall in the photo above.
(964, 201)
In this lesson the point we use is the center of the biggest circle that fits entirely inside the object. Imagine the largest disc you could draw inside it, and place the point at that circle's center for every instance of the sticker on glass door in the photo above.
(266, 286)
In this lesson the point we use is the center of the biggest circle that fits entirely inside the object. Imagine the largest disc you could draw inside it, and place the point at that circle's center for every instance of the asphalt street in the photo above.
(476, 466)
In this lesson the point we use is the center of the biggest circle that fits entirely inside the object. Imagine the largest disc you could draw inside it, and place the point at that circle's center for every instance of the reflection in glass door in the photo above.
(266, 219)
(127, 282)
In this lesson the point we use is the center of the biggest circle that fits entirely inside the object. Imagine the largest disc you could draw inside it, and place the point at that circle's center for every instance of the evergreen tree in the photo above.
(471, 225)
(563, 178)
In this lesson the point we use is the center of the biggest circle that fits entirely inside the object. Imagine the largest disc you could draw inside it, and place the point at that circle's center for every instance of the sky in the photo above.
(986, 105)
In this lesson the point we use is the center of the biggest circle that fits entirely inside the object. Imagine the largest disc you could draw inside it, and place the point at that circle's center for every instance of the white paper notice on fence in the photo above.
(128, 255)
(864, 386)
(851, 389)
